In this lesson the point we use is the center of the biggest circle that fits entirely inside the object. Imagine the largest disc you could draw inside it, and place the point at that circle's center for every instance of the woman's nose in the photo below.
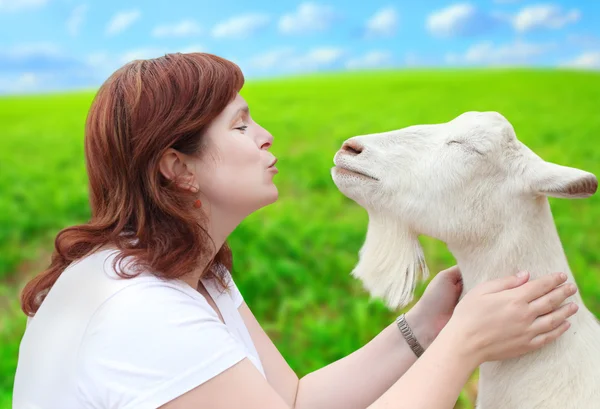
(266, 139)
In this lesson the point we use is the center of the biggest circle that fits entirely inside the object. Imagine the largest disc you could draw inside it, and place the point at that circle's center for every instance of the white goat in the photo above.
(473, 185)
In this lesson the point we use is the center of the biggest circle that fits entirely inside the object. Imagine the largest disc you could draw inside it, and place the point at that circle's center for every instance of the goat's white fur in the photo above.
(472, 184)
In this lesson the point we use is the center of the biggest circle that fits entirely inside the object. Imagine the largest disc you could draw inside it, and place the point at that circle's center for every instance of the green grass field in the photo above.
(292, 259)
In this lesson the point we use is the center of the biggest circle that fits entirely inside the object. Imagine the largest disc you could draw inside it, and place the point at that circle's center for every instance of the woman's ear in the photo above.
(172, 166)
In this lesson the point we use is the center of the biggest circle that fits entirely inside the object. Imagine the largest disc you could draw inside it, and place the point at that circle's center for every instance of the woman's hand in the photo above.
(508, 317)
(435, 307)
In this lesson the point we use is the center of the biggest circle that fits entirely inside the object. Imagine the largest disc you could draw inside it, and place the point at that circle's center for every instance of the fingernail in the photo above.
(521, 274)
(574, 307)
(563, 276)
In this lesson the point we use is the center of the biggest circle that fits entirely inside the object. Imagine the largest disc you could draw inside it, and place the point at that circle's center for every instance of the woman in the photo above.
(138, 308)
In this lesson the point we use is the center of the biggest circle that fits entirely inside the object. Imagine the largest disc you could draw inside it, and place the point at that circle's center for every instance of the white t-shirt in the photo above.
(100, 341)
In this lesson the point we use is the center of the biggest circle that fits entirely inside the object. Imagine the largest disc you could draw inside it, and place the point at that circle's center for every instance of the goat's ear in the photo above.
(560, 181)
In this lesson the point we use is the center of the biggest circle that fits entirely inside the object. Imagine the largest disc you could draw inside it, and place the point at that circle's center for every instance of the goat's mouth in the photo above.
(352, 172)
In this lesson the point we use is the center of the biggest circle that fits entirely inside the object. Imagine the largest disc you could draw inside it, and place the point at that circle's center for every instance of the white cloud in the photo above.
(142, 54)
(486, 53)
(544, 16)
(18, 5)
(193, 48)
(110, 62)
(103, 63)
(35, 57)
(587, 60)
(287, 59)
(240, 26)
(371, 59)
(411, 59)
(462, 19)
(76, 19)
(122, 21)
(272, 58)
(31, 50)
(27, 79)
(46, 81)
(317, 58)
(97, 59)
(41, 67)
(45, 66)
(583, 40)
(309, 17)
(383, 23)
(184, 28)
(20, 83)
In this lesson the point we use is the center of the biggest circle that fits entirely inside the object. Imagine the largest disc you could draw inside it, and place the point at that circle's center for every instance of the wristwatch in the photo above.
(409, 336)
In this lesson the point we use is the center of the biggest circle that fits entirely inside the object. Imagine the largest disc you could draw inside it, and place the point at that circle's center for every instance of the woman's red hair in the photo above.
(143, 109)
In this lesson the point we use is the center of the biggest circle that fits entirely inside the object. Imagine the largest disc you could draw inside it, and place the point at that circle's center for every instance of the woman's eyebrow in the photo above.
(244, 109)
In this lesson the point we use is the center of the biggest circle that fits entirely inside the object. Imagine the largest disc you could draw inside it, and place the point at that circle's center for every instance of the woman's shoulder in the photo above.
(94, 288)
(153, 341)
(143, 288)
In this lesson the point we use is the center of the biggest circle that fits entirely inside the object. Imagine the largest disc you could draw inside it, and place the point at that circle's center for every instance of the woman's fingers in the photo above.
(549, 322)
(503, 283)
(453, 274)
(541, 286)
(543, 339)
(549, 302)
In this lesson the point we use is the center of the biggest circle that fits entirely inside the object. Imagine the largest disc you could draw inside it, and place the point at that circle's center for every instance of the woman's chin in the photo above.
(272, 195)
(268, 196)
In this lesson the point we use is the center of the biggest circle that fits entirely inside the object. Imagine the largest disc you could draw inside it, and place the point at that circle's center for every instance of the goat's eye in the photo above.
(466, 146)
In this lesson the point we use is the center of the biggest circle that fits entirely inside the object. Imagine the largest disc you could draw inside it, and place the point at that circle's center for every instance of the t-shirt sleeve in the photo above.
(149, 344)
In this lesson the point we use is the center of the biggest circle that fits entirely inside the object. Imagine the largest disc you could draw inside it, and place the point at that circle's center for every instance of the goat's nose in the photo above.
(352, 147)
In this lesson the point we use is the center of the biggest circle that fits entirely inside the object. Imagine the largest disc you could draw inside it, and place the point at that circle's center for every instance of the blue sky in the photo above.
(49, 45)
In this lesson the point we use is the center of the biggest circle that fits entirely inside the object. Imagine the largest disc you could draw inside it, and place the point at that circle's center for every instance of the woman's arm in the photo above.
(358, 379)
(351, 382)
(435, 380)
(280, 375)
(497, 320)
(440, 369)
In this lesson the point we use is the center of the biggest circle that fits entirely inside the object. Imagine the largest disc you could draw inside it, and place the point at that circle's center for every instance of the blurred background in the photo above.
(317, 73)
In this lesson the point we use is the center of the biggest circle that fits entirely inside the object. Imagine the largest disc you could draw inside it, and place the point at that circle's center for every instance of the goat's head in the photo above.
(457, 181)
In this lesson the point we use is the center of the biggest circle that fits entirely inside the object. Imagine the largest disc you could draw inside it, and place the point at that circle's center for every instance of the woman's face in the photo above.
(234, 173)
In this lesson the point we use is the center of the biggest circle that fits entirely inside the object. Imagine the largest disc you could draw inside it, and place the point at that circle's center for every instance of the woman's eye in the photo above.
(242, 128)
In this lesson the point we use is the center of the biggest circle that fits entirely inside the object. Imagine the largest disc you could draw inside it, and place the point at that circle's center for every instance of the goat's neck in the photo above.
(528, 241)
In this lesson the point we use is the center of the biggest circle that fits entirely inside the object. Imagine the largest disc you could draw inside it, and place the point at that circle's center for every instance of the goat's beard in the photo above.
(391, 261)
